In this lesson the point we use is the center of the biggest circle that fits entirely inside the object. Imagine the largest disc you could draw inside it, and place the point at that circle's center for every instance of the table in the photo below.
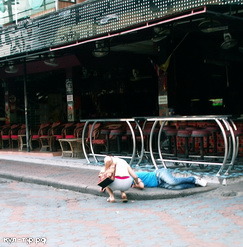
(71, 147)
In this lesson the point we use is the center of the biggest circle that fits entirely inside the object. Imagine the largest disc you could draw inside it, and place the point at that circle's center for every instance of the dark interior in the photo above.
(204, 72)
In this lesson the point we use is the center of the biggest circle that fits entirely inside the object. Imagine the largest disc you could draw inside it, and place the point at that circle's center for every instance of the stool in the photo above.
(186, 134)
(214, 130)
(171, 135)
(201, 134)
(147, 132)
(106, 133)
(192, 145)
(117, 134)
(128, 138)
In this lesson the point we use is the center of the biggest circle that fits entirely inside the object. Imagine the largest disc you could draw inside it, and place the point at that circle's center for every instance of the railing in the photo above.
(225, 123)
(128, 121)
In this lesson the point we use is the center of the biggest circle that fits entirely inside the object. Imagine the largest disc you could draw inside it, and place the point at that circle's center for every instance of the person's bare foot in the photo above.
(124, 197)
(111, 200)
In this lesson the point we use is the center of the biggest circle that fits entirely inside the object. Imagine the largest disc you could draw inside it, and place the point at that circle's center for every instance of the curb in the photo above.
(132, 194)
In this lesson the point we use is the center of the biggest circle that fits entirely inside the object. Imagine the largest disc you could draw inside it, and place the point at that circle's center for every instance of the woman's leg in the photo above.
(177, 187)
(123, 196)
(111, 195)
(165, 176)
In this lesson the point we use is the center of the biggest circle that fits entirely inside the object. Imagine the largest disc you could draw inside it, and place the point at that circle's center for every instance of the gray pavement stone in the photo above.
(80, 179)
(67, 218)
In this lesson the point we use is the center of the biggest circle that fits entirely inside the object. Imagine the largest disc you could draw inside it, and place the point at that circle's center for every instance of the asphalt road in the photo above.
(37, 215)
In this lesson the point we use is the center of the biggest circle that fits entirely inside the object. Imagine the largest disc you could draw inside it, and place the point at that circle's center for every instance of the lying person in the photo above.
(163, 178)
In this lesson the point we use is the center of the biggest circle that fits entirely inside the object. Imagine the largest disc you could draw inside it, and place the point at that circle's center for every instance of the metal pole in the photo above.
(16, 12)
(26, 108)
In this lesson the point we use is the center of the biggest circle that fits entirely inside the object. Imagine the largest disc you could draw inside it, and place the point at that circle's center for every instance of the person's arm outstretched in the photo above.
(137, 181)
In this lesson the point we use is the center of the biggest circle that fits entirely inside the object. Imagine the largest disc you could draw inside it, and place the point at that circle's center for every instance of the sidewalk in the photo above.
(74, 174)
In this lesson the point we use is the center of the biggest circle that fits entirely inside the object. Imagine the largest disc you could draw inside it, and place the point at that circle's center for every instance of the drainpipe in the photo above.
(56, 5)
(16, 12)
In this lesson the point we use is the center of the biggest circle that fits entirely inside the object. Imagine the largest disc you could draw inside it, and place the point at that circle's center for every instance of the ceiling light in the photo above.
(101, 49)
(211, 26)
(51, 61)
(229, 42)
(11, 68)
(160, 34)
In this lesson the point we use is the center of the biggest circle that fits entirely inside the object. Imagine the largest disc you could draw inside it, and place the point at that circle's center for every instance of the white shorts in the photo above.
(121, 183)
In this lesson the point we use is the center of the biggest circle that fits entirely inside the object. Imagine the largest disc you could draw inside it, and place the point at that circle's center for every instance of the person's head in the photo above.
(108, 160)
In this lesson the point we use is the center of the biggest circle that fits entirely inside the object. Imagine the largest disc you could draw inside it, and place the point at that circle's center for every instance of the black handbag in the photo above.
(105, 180)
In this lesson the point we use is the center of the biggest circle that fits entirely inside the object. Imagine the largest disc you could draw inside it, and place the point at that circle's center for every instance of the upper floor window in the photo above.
(69, 1)
(14, 10)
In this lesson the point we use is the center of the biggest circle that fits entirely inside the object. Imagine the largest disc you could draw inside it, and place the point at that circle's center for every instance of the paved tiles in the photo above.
(32, 215)
(80, 179)
(78, 175)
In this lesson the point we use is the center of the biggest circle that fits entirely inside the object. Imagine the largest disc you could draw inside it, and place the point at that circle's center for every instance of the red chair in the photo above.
(71, 142)
(72, 130)
(7, 132)
(17, 136)
(36, 133)
(4, 133)
(78, 131)
(97, 139)
(56, 130)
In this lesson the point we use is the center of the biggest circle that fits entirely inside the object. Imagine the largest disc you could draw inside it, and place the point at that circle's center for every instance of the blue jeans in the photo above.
(168, 181)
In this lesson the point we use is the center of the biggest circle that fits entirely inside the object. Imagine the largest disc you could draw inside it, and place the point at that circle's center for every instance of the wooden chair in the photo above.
(71, 142)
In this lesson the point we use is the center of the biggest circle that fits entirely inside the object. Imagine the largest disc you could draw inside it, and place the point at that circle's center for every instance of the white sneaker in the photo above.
(200, 181)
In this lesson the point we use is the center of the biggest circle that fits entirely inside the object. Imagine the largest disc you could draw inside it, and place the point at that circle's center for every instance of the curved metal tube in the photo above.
(226, 150)
(83, 141)
(159, 145)
(150, 144)
(142, 143)
(133, 141)
(235, 144)
(90, 141)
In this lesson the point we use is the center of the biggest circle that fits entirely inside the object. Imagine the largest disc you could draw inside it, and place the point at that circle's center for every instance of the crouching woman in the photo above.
(124, 177)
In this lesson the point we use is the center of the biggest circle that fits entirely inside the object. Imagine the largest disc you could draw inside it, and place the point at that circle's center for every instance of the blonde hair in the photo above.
(108, 162)
(108, 158)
